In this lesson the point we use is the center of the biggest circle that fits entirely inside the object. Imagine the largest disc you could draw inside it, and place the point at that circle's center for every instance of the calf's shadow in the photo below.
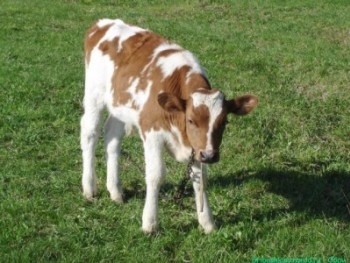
(324, 195)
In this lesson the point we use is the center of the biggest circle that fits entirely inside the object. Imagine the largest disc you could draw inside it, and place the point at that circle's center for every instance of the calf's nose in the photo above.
(209, 156)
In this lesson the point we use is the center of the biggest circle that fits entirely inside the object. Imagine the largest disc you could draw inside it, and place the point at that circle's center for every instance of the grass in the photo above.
(282, 186)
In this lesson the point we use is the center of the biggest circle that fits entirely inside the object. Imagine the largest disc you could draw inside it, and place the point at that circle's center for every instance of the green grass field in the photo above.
(282, 187)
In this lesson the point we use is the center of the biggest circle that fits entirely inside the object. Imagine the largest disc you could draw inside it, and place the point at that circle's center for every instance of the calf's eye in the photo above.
(191, 122)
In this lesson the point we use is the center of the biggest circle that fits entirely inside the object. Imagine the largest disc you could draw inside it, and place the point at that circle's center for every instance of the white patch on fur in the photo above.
(177, 60)
(97, 78)
(214, 103)
(106, 21)
(118, 29)
(139, 98)
(176, 146)
(158, 50)
(163, 47)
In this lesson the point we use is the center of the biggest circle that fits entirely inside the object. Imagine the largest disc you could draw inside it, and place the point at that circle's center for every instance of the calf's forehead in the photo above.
(212, 100)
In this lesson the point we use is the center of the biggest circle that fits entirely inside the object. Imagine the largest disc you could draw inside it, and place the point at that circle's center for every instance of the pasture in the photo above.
(282, 187)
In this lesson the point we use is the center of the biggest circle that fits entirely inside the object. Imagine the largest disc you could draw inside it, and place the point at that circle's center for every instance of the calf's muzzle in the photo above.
(209, 156)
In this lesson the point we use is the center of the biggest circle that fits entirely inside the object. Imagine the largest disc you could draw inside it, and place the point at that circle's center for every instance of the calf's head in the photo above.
(206, 117)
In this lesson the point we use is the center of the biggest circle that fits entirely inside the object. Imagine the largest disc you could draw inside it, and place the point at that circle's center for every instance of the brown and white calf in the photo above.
(159, 88)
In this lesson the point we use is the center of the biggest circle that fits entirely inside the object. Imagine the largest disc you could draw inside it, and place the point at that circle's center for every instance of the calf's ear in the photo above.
(171, 103)
(242, 105)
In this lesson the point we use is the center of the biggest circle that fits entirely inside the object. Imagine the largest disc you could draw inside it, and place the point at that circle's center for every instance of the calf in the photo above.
(157, 87)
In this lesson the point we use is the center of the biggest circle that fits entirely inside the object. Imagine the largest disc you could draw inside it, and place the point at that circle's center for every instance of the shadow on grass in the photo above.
(322, 195)
(136, 190)
(315, 195)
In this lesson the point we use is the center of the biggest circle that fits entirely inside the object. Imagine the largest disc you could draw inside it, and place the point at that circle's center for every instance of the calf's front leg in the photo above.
(205, 217)
(155, 172)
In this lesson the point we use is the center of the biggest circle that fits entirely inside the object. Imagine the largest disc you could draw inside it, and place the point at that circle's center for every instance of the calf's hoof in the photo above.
(209, 229)
(149, 229)
(89, 196)
(117, 197)
(89, 193)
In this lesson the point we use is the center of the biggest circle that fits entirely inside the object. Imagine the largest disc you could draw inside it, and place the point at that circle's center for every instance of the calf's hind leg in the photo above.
(90, 131)
(114, 133)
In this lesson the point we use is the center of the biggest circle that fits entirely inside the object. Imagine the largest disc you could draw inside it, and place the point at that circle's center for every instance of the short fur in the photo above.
(147, 83)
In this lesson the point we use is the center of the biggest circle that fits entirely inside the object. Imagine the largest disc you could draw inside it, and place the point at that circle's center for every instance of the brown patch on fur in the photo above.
(175, 82)
(92, 37)
(218, 129)
(197, 81)
(242, 105)
(110, 47)
(131, 62)
(197, 125)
